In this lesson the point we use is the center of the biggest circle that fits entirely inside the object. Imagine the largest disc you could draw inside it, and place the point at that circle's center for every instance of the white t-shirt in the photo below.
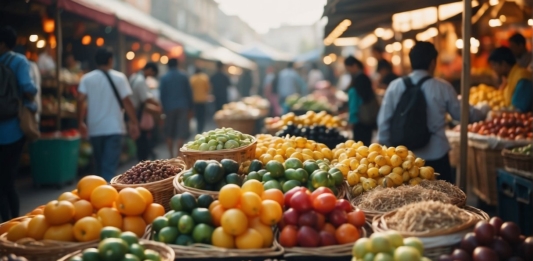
(140, 89)
(104, 116)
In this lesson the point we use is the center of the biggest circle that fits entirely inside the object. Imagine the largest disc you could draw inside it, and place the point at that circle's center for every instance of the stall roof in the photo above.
(228, 57)
(263, 52)
(87, 9)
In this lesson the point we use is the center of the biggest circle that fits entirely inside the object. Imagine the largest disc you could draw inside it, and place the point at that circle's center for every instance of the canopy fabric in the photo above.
(88, 10)
(310, 56)
(228, 57)
(263, 52)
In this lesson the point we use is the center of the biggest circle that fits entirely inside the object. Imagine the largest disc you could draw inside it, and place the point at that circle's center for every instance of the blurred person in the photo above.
(289, 83)
(220, 83)
(440, 98)
(244, 85)
(103, 94)
(46, 62)
(359, 93)
(201, 89)
(146, 107)
(270, 91)
(12, 65)
(518, 91)
(177, 101)
(315, 75)
(517, 44)
(386, 74)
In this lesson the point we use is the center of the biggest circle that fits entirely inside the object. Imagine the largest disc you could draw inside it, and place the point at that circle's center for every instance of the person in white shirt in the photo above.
(441, 99)
(46, 63)
(289, 83)
(106, 92)
(315, 75)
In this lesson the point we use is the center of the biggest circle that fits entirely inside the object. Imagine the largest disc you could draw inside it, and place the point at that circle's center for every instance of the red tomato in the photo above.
(319, 191)
(324, 203)
(347, 233)
(321, 221)
(301, 202)
(357, 218)
(344, 205)
(288, 236)
(291, 193)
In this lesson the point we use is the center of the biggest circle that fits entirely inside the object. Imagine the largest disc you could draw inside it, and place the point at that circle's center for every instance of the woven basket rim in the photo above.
(180, 187)
(146, 243)
(514, 155)
(199, 152)
(180, 163)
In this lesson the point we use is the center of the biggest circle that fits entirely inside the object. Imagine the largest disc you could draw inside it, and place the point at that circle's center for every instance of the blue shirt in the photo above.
(10, 131)
(523, 96)
(175, 91)
(354, 102)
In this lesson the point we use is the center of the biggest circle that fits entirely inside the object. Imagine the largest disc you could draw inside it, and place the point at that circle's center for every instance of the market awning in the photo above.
(228, 57)
(88, 9)
(263, 52)
(174, 49)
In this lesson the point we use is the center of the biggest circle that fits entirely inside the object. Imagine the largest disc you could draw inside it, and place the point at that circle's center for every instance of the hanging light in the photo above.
(100, 41)
(52, 41)
(396, 60)
(333, 57)
(371, 61)
(493, 2)
(49, 25)
(40, 44)
(409, 43)
(135, 46)
(397, 46)
(164, 59)
(530, 22)
(389, 48)
(147, 47)
(130, 55)
(338, 31)
(327, 60)
(379, 32)
(86, 40)
(495, 22)
(34, 38)
(155, 57)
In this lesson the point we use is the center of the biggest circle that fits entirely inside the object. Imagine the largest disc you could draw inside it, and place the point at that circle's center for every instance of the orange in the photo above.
(153, 211)
(220, 238)
(87, 184)
(216, 214)
(229, 196)
(18, 231)
(75, 192)
(250, 204)
(59, 212)
(147, 195)
(253, 186)
(8, 225)
(37, 227)
(130, 202)
(265, 231)
(110, 217)
(234, 222)
(271, 212)
(60, 233)
(250, 239)
(134, 224)
(87, 229)
(82, 208)
(214, 204)
(37, 211)
(253, 221)
(346, 233)
(104, 196)
(68, 196)
(274, 194)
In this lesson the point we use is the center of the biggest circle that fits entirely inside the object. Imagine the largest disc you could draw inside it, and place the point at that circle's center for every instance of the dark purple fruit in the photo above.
(525, 249)
(484, 254)
(510, 232)
(484, 233)
(461, 255)
(502, 248)
(496, 222)
(469, 243)
(446, 258)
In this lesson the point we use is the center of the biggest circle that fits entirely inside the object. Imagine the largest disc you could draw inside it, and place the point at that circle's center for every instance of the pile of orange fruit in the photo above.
(244, 216)
(79, 215)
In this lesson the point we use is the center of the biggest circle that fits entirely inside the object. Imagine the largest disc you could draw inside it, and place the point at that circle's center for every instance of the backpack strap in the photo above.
(114, 89)
(422, 81)
(407, 81)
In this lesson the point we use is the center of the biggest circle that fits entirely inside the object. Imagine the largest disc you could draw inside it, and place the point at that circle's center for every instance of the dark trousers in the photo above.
(443, 167)
(199, 113)
(106, 150)
(144, 145)
(362, 132)
(9, 164)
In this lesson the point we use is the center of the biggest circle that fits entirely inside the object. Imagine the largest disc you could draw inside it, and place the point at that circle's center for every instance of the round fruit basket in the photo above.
(179, 187)
(204, 251)
(166, 253)
(240, 155)
(518, 163)
(42, 250)
(242, 125)
(161, 190)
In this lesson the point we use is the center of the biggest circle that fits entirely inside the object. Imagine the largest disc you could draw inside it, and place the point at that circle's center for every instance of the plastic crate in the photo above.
(54, 161)
(515, 200)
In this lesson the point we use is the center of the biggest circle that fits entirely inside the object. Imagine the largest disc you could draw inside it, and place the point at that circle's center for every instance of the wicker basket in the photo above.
(244, 125)
(518, 163)
(487, 161)
(204, 251)
(44, 250)
(161, 190)
(166, 253)
(179, 188)
(240, 155)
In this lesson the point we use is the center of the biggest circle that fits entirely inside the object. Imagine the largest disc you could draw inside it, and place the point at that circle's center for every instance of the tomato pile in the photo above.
(512, 126)
(81, 214)
(318, 219)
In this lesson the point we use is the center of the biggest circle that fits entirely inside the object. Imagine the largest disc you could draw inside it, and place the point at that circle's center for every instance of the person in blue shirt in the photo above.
(178, 104)
(11, 136)
(359, 92)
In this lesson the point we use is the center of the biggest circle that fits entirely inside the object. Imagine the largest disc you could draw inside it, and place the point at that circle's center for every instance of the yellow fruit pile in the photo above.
(367, 167)
(484, 94)
(309, 119)
(279, 149)
(79, 215)
(244, 216)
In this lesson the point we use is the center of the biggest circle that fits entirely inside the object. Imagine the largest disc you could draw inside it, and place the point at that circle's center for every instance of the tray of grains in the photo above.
(456, 195)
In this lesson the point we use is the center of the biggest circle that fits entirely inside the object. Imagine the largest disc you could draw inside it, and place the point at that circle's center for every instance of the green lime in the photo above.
(188, 201)
(202, 233)
(310, 166)
(109, 232)
(255, 165)
(184, 240)
(168, 214)
(290, 184)
(175, 218)
(130, 257)
(230, 166)
(204, 201)
(213, 173)
(151, 255)
(219, 185)
(175, 203)
(369, 257)
(380, 243)
(195, 181)
(186, 224)
(90, 254)
(262, 172)
(272, 184)
(337, 177)
(168, 234)
(129, 237)
(301, 175)
(320, 179)
(200, 166)
(267, 177)
(187, 174)
(383, 257)
(415, 243)
(234, 178)
(275, 168)
(112, 249)
(254, 175)
(137, 250)
(201, 216)
(361, 247)
(289, 174)
(159, 223)
(293, 163)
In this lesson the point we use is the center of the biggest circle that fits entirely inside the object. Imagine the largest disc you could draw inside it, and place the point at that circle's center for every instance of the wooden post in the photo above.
(59, 65)
(465, 90)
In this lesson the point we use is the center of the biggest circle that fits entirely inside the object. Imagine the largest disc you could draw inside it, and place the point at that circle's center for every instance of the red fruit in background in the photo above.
(319, 191)
(502, 248)
(484, 233)
(301, 202)
(291, 193)
(308, 237)
(324, 203)
(469, 242)
(288, 236)
(327, 239)
(282, 224)
(337, 217)
(496, 222)
(328, 227)
(357, 218)
(510, 232)
(290, 217)
(484, 254)
(308, 218)
(344, 205)
(460, 254)
(347, 233)
(321, 221)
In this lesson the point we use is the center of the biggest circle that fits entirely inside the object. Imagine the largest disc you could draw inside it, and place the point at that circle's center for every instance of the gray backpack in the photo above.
(9, 98)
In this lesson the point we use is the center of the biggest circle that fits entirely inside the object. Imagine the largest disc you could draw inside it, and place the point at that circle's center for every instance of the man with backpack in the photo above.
(413, 111)
(107, 93)
(16, 87)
